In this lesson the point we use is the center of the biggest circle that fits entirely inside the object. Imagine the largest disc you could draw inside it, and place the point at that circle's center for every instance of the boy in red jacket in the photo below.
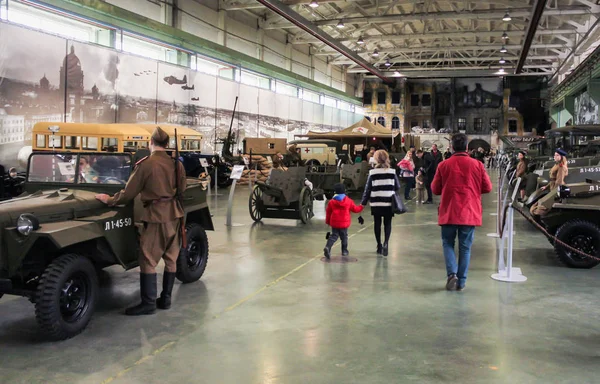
(338, 216)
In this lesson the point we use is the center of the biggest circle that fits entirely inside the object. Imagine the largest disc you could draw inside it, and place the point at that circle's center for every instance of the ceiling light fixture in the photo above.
(502, 61)
(504, 36)
(360, 41)
(503, 49)
(340, 24)
(313, 4)
(501, 70)
(397, 74)
(506, 17)
(387, 63)
(375, 53)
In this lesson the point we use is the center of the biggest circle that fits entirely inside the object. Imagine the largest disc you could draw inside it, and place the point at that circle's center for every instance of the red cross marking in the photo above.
(307, 150)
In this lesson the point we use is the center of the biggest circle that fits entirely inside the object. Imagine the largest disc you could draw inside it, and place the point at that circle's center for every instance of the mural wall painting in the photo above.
(586, 110)
(39, 72)
(30, 86)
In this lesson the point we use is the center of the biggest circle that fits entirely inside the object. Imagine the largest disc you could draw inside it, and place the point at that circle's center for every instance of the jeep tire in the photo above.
(66, 296)
(581, 235)
(191, 268)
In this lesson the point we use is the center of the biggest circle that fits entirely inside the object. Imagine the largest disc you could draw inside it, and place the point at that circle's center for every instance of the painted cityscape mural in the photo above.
(586, 109)
(47, 78)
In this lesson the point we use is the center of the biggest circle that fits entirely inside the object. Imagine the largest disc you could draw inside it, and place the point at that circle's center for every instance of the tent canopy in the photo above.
(362, 129)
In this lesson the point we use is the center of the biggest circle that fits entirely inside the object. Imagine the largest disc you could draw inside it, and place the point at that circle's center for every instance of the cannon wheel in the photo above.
(306, 205)
(255, 204)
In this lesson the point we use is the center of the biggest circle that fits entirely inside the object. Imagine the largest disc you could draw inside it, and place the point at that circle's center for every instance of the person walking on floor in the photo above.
(461, 180)
(431, 162)
(154, 180)
(382, 184)
(407, 174)
(420, 181)
(338, 217)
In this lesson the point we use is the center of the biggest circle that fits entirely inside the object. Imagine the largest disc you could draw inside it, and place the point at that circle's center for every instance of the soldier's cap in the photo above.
(561, 152)
(160, 136)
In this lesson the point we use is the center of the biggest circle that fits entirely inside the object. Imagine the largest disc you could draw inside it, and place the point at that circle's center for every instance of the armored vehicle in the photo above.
(56, 236)
(574, 219)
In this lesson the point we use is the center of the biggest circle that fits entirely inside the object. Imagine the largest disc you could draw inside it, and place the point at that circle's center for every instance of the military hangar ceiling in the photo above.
(437, 38)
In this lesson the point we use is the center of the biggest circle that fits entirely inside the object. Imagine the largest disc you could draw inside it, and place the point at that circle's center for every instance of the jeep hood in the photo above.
(51, 205)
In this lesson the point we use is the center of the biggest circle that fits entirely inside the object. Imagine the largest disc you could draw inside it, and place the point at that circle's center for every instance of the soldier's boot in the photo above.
(148, 294)
(164, 301)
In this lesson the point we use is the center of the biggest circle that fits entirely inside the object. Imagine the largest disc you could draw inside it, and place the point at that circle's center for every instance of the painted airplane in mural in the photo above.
(188, 88)
(174, 80)
(195, 98)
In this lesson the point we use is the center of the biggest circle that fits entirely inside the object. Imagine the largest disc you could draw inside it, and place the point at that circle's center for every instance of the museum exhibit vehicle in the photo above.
(574, 219)
(285, 195)
(56, 236)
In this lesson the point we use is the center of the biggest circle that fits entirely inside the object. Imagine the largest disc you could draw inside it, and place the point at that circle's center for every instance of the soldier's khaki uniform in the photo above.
(557, 178)
(154, 179)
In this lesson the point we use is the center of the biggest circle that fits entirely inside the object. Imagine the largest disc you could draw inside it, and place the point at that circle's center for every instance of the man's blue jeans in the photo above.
(465, 235)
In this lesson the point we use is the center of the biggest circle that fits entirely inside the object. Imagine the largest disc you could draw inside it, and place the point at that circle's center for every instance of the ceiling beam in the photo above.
(454, 59)
(238, 5)
(409, 70)
(478, 14)
(534, 21)
(493, 47)
(445, 35)
(320, 35)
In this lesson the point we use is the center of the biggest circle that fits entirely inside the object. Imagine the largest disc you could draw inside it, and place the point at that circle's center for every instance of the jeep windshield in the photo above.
(80, 168)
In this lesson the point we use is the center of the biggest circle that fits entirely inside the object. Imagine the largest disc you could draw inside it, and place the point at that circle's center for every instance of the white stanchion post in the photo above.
(506, 271)
(236, 174)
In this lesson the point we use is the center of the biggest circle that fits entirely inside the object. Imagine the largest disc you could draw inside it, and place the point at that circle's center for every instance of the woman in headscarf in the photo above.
(557, 178)
(381, 186)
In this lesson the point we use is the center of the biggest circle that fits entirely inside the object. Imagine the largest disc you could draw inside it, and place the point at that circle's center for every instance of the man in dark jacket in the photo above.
(461, 181)
(430, 163)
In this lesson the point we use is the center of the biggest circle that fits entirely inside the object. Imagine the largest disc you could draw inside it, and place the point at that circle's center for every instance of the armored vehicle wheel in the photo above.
(191, 268)
(581, 235)
(305, 205)
(255, 205)
(66, 296)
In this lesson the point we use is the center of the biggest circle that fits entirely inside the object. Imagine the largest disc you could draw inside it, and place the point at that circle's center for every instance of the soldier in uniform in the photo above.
(154, 179)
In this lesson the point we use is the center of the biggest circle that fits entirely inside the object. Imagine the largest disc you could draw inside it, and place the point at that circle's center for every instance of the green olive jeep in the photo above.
(574, 219)
(56, 237)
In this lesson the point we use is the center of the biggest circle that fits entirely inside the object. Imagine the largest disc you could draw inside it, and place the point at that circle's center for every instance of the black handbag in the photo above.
(399, 207)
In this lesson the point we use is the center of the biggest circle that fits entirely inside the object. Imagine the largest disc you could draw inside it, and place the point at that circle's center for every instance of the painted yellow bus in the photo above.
(189, 140)
(76, 137)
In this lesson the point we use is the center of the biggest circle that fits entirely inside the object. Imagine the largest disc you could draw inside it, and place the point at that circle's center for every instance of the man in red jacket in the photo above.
(461, 180)
(338, 216)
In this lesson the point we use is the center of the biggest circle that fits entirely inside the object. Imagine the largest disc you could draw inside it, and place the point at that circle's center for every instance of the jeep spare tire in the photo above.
(66, 296)
(581, 235)
(190, 268)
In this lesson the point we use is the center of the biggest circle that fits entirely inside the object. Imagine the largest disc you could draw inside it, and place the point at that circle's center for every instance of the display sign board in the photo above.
(270, 159)
(237, 171)
(203, 162)
(246, 160)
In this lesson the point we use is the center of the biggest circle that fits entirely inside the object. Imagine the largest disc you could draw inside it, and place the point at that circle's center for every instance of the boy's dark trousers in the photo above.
(342, 233)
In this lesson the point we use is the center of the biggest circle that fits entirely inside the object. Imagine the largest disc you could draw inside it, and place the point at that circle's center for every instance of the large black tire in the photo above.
(66, 296)
(581, 235)
(191, 268)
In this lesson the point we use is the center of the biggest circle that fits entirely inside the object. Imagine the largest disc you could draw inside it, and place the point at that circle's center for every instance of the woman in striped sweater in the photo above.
(381, 186)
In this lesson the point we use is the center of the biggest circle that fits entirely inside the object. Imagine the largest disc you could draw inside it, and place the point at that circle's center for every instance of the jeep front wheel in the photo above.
(583, 236)
(66, 296)
(191, 267)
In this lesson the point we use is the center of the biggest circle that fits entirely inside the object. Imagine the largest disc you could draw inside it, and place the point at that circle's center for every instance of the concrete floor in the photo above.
(268, 310)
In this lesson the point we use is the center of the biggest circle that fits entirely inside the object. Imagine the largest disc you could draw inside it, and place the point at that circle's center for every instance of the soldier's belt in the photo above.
(156, 201)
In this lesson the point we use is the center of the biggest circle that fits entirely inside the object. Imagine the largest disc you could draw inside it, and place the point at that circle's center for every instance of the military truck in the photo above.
(56, 237)
(574, 219)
